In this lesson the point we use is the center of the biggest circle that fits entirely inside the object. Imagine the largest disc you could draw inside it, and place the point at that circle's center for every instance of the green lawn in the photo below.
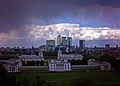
(95, 78)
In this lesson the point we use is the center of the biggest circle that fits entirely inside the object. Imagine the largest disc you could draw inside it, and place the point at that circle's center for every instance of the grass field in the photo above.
(95, 78)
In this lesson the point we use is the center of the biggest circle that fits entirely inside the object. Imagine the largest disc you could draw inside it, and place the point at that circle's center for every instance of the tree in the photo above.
(37, 63)
(42, 62)
(30, 63)
(23, 63)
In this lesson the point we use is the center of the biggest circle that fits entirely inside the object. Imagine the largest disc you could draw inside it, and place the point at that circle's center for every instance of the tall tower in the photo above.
(41, 54)
(107, 46)
(69, 41)
(81, 44)
(59, 40)
(50, 45)
(64, 41)
(59, 54)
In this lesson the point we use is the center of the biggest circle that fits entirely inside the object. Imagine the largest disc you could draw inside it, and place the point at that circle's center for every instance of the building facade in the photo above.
(103, 66)
(69, 41)
(64, 41)
(82, 44)
(12, 66)
(59, 40)
(50, 45)
(59, 66)
(107, 46)
(32, 57)
(69, 56)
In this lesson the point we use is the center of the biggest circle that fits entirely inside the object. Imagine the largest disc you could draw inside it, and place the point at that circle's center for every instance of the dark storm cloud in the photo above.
(16, 13)
(112, 3)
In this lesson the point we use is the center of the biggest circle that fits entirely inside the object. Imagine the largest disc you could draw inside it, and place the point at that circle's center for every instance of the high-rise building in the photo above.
(59, 40)
(107, 46)
(50, 45)
(69, 41)
(64, 41)
(81, 44)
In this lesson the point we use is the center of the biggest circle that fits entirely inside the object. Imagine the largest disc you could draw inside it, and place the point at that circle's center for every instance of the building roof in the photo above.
(30, 57)
(10, 63)
(57, 62)
(99, 62)
(71, 56)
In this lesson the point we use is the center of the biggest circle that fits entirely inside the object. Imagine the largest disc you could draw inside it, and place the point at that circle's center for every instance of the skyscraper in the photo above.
(59, 40)
(69, 41)
(81, 44)
(107, 46)
(64, 41)
(50, 45)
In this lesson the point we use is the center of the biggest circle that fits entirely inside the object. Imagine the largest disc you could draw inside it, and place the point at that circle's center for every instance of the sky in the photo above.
(27, 23)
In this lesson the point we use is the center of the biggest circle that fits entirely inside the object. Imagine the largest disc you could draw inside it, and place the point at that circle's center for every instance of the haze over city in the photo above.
(31, 22)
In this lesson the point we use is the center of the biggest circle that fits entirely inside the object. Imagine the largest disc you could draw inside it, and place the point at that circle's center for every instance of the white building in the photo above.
(59, 66)
(12, 66)
(69, 56)
(103, 66)
(32, 57)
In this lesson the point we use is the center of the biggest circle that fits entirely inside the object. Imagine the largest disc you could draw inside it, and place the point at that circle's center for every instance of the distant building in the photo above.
(117, 46)
(82, 44)
(64, 41)
(43, 47)
(103, 66)
(59, 40)
(107, 46)
(50, 45)
(69, 41)
(69, 56)
(32, 57)
(12, 66)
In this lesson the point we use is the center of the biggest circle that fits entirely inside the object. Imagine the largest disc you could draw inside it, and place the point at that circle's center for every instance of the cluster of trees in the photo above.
(51, 53)
(77, 62)
(33, 63)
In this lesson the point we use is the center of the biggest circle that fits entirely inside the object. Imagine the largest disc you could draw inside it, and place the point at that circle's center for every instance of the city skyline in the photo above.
(27, 23)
